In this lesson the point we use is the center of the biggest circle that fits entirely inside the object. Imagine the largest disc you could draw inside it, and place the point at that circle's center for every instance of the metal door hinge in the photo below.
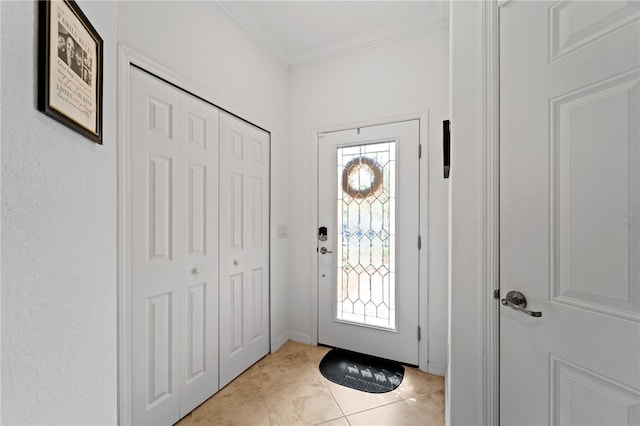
(419, 242)
(496, 294)
(420, 151)
(419, 333)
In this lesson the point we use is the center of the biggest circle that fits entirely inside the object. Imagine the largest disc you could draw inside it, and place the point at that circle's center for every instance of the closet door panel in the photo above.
(198, 129)
(244, 246)
(155, 258)
(174, 251)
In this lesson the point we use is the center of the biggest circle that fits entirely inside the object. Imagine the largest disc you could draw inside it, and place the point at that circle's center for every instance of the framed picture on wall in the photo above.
(70, 68)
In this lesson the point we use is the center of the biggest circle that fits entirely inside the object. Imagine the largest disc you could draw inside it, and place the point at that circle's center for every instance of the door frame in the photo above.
(423, 185)
(127, 58)
(491, 211)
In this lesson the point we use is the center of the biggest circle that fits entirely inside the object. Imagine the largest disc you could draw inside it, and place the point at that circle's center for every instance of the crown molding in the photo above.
(410, 27)
(367, 40)
(252, 26)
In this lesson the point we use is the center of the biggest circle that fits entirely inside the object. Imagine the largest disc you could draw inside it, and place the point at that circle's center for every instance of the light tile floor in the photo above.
(286, 388)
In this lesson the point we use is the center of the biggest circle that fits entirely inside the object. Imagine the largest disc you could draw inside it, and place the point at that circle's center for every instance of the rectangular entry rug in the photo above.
(362, 372)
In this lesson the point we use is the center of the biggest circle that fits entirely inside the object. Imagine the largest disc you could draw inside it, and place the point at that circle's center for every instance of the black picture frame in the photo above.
(70, 68)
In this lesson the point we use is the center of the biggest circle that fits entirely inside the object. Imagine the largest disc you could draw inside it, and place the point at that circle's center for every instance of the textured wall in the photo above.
(58, 242)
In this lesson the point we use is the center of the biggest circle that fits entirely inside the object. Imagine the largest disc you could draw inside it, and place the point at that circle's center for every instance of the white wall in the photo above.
(465, 386)
(0, 220)
(403, 77)
(59, 242)
(200, 42)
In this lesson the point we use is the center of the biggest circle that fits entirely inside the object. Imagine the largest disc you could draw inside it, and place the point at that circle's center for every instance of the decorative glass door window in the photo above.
(366, 287)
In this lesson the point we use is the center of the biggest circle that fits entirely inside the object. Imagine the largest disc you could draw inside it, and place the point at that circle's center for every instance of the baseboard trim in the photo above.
(436, 369)
(300, 337)
(279, 342)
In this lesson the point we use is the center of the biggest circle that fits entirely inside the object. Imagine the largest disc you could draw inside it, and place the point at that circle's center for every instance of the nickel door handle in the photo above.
(517, 301)
(324, 250)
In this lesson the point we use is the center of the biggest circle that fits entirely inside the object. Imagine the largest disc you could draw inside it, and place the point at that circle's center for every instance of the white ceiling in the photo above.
(299, 33)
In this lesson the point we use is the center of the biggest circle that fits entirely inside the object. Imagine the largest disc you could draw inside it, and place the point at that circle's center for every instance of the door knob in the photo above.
(324, 250)
(195, 271)
(517, 301)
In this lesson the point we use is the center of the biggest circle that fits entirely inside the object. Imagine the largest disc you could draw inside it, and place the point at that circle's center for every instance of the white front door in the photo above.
(174, 251)
(569, 214)
(368, 256)
(244, 246)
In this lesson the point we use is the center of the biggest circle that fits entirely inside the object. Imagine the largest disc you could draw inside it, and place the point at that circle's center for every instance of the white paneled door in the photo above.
(244, 246)
(368, 255)
(174, 250)
(570, 211)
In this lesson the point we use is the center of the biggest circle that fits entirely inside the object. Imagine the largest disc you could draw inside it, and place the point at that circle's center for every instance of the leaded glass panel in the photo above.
(366, 234)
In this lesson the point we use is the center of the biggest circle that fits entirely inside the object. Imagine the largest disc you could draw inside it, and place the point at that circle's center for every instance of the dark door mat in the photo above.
(362, 372)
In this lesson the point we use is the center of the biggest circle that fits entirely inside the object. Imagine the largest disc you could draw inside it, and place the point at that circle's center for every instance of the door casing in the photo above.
(489, 92)
(127, 58)
(490, 215)
(423, 273)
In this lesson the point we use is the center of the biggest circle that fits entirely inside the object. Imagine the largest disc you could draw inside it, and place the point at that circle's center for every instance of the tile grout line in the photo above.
(344, 416)
(336, 401)
(377, 406)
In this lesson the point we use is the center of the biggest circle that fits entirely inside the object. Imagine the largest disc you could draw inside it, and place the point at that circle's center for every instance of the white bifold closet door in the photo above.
(244, 246)
(174, 250)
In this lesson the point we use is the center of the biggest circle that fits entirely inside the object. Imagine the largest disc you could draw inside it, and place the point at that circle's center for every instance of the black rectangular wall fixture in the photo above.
(446, 147)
